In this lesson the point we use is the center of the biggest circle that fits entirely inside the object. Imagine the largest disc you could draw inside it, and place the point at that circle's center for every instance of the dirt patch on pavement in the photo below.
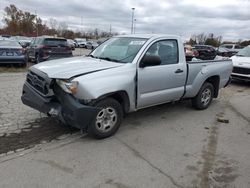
(39, 131)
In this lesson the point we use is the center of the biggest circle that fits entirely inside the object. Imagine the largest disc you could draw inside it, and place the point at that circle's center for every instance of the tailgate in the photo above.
(55, 46)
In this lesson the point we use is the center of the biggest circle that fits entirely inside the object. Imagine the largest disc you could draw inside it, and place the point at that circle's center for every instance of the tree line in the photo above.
(23, 23)
(213, 40)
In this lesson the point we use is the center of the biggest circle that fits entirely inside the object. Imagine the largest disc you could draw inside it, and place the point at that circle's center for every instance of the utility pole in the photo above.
(81, 26)
(132, 26)
(110, 29)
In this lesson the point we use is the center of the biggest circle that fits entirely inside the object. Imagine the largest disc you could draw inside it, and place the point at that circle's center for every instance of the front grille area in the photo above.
(240, 70)
(38, 82)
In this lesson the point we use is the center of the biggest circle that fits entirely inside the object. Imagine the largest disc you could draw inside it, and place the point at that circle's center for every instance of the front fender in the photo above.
(98, 84)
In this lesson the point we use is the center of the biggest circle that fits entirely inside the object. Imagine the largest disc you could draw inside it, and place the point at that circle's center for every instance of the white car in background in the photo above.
(91, 45)
(241, 64)
(232, 47)
(80, 42)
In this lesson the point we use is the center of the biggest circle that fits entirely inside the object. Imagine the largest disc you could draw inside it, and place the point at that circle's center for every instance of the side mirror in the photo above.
(150, 60)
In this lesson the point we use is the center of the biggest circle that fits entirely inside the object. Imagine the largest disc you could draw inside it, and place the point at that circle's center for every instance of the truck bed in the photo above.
(199, 71)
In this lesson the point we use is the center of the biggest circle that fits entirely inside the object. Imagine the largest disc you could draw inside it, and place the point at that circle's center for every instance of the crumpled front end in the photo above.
(44, 95)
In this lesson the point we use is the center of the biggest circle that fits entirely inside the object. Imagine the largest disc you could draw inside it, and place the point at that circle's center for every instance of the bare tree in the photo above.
(62, 28)
(53, 23)
(219, 38)
(201, 38)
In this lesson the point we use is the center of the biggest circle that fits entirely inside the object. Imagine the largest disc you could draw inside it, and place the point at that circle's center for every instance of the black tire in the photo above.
(23, 65)
(198, 102)
(31, 60)
(94, 129)
(37, 59)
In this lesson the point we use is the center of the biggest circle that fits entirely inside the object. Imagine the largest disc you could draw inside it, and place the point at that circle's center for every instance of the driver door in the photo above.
(165, 82)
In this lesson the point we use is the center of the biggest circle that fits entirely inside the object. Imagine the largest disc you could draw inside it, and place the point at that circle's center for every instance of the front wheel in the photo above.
(107, 120)
(205, 96)
(38, 60)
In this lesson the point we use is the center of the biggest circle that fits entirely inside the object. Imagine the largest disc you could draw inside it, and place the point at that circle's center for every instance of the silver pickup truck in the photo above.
(122, 75)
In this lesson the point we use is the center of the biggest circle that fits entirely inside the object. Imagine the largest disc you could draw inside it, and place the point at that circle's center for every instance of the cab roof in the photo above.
(148, 36)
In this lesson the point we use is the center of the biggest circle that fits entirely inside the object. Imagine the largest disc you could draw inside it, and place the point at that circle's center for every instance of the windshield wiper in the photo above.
(108, 59)
(90, 55)
(240, 55)
(104, 58)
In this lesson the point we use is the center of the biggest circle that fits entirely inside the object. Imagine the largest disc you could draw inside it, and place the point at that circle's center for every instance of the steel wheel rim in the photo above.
(106, 119)
(206, 96)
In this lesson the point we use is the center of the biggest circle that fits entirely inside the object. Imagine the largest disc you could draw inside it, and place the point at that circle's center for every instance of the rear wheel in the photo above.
(205, 96)
(107, 120)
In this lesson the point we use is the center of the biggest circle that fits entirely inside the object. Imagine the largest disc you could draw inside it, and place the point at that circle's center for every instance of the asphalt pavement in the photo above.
(170, 145)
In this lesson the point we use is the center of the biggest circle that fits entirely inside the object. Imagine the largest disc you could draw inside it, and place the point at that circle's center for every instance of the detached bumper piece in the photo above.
(62, 106)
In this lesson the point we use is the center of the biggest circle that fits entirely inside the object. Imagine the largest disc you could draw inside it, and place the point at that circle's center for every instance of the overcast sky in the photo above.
(229, 18)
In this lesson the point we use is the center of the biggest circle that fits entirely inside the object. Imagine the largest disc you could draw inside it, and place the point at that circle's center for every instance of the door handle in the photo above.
(179, 71)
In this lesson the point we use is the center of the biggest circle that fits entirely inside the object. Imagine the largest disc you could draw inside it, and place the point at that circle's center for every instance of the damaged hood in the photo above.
(70, 67)
(241, 61)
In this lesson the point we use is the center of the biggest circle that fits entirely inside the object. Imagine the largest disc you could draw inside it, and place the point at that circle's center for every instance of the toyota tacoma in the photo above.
(122, 75)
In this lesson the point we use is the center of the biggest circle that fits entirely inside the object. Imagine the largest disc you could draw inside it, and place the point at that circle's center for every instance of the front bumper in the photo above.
(13, 59)
(62, 105)
(241, 73)
(241, 77)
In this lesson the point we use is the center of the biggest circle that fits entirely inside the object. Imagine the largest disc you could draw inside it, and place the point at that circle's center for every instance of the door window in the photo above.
(167, 50)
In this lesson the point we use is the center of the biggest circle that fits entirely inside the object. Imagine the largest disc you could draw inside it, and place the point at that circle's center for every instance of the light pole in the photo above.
(135, 20)
(132, 26)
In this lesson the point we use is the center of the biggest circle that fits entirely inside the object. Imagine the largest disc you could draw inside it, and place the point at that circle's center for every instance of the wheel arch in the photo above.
(215, 81)
(121, 96)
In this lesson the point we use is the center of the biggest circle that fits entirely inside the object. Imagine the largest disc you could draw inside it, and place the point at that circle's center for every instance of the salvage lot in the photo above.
(170, 145)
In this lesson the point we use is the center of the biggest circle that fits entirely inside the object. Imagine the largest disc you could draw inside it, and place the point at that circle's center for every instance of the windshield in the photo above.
(245, 52)
(55, 42)
(119, 49)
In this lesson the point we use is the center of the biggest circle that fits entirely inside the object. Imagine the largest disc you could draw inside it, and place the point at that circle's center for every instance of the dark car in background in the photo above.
(47, 48)
(11, 52)
(206, 52)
